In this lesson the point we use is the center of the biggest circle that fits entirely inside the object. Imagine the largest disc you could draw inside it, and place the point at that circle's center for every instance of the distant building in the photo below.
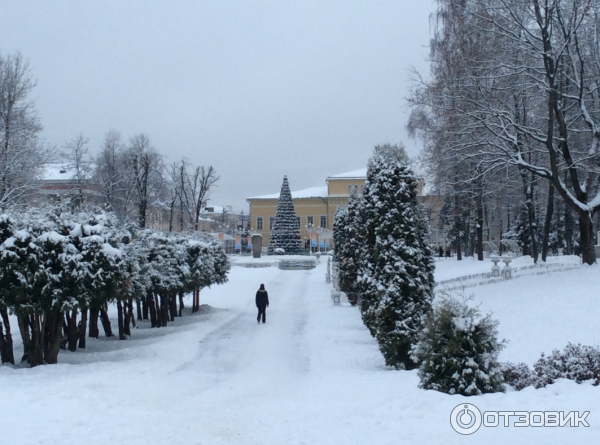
(59, 179)
(314, 206)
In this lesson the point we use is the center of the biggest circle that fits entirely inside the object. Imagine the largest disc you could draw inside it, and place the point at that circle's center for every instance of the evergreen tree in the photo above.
(458, 351)
(353, 236)
(286, 229)
(340, 221)
(396, 271)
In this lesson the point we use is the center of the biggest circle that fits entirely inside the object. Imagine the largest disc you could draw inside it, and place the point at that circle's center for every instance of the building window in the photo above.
(271, 222)
(310, 220)
(361, 189)
(324, 222)
(298, 219)
(259, 223)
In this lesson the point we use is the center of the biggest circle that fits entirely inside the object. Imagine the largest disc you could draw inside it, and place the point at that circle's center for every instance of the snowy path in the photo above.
(311, 375)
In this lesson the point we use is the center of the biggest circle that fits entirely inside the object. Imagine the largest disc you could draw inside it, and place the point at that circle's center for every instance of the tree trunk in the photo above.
(164, 310)
(588, 252)
(145, 303)
(127, 319)
(106, 323)
(479, 228)
(73, 334)
(121, 323)
(131, 315)
(152, 307)
(548, 221)
(181, 306)
(531, 217)
(458, 250)
(6, 343)
(83, 327)
(29, 326)
(94, 331)
(52, 329)
(173, 306)
(139, 309)
(196, 301)
(569, 230)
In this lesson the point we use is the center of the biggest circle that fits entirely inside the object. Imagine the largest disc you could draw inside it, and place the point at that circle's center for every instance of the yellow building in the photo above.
(314, 206)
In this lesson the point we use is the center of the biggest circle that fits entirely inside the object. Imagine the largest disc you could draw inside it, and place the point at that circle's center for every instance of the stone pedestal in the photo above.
(256, 245)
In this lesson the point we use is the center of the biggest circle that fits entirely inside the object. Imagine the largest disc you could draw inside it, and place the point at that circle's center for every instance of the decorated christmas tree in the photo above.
(285, 233)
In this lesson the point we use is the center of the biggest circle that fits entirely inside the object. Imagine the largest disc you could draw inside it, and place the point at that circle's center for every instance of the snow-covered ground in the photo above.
(311, 375)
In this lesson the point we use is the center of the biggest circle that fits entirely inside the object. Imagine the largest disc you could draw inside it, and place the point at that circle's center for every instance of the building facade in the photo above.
(315, 207)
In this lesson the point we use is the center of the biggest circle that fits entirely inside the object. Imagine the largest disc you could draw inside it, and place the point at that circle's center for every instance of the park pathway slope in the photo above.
(311, 375)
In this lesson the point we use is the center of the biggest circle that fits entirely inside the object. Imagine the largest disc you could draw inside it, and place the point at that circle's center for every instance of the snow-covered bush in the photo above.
(519, 376)
(279, 251)
(458, 350)
(575, 362)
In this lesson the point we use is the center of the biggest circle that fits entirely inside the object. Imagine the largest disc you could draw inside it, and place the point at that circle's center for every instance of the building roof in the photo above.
(313, 192)
(61, 172)
(355, 174)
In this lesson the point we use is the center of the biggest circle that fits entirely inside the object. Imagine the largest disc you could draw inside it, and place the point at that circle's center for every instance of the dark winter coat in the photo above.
(262, 298)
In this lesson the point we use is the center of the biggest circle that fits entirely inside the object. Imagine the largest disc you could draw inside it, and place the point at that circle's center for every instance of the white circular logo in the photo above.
(465, 419)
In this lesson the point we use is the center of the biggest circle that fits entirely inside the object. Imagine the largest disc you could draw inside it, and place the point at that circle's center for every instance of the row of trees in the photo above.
(510, 119)
(384, 256)
(57, 265)
(131, 175)
(386, 264)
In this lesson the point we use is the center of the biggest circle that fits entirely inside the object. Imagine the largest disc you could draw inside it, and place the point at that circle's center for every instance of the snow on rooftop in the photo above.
(56, 171)
(362, 173)
(313, 192)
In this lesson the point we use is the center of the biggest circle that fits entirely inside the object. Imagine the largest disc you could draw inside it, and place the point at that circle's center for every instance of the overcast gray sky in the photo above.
(258, 89)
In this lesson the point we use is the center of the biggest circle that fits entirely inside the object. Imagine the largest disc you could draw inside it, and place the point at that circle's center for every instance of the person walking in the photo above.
(262, 303)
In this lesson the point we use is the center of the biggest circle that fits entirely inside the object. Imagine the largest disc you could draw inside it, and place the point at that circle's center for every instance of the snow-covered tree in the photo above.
(22, 156)
(349, 251)
(286, 229)
(340, 221)
(7, 229)
(396, 268)
(458, 350)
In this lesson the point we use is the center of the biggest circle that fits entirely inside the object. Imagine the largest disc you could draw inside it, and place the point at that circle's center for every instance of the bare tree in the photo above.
(201, 182)
(76, 153)
(22, 156)
(114, 171)
(147, 175)
(518, 81)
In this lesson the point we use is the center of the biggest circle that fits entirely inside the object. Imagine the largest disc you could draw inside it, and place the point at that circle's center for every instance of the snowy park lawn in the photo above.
(311, 375)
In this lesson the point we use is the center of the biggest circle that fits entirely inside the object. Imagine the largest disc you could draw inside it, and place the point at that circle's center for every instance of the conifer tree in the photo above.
(458, 350)
(286, 229)
(349, 254)
(396, 268)
(340, 221)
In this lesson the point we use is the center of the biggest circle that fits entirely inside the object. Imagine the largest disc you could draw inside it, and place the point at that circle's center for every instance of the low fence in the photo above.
(517, 272)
